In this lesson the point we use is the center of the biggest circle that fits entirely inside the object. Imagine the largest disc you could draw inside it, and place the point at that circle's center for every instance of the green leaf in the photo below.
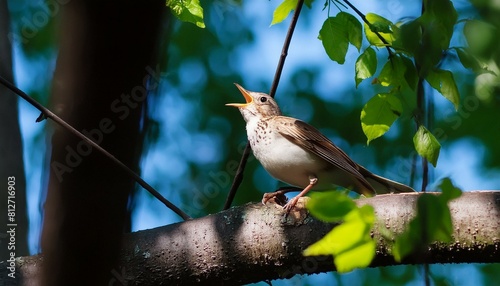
(471, 62)
(336, 34)
(355, 33)
(426, 145)
(350, 243)
(365, 213)
(410, 72)
(359, 257)
(283, 10)
(410, 36)
(187, 11)
(429, 52)
(379, 114)
(386, 75)
(322, 246)
(384, 27)
(449, 191)
(443, 81)
(432, 222)
(436, 24)
(437, 32)
(479, 36)
(330, 206)
(422, 229)
(404, 244)
(334, 39)
(467, 60)
(308, 3)
(442, 12)
(435, 218)
(366, 65)
(392, 73)
(399, 71)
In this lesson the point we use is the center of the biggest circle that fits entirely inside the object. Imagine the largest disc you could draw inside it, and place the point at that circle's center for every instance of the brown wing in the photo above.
(309, 138)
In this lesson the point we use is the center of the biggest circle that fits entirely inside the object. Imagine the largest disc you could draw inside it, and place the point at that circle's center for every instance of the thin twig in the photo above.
(238, 178)
(420, 119)
(363, 17)
(424, 115)
(284, 51)
(49, 114)
(427, 274)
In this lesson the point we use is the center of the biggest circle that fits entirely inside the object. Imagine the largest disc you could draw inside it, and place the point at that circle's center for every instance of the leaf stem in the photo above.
(363, 17)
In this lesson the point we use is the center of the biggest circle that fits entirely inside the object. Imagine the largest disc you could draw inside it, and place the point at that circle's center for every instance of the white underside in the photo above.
(290, 163)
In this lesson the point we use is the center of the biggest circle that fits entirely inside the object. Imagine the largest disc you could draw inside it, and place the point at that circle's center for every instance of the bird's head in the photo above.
(258, 105)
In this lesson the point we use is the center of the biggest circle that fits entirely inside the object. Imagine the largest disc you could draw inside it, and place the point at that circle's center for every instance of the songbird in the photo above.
(296, 153)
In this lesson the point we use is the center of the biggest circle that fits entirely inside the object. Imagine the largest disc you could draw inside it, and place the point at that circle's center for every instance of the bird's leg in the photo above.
(279, 195)
(293, 202)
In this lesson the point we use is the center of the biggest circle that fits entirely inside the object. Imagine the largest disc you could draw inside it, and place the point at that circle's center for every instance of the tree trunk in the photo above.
(255, 242)
(104, 72)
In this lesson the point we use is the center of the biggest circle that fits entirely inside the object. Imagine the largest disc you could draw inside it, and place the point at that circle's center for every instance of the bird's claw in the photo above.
(289, 206)
(277, 197)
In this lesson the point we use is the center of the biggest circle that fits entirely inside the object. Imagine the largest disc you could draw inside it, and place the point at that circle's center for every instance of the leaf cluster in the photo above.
(187, 11)
(416, 51)
(349, 243)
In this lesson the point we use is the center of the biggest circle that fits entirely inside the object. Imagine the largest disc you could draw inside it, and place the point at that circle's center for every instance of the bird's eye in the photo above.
(263, 99)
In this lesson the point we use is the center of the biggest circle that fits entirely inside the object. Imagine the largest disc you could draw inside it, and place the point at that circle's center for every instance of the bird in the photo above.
(296, 153)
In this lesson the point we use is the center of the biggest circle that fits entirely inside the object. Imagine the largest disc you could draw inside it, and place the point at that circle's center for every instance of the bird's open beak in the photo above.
(246, 94)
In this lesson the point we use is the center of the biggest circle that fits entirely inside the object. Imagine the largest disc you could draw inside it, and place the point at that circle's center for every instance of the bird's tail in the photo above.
(383, 185)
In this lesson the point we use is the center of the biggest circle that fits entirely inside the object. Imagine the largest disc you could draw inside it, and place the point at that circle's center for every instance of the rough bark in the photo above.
(256, 242)
(105, 69)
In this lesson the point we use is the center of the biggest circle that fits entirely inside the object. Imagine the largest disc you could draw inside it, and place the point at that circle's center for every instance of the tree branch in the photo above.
(46, 113)
(256, 242)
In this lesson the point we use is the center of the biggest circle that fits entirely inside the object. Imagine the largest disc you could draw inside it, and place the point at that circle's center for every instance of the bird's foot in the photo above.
(289, 206)
(277, 197)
